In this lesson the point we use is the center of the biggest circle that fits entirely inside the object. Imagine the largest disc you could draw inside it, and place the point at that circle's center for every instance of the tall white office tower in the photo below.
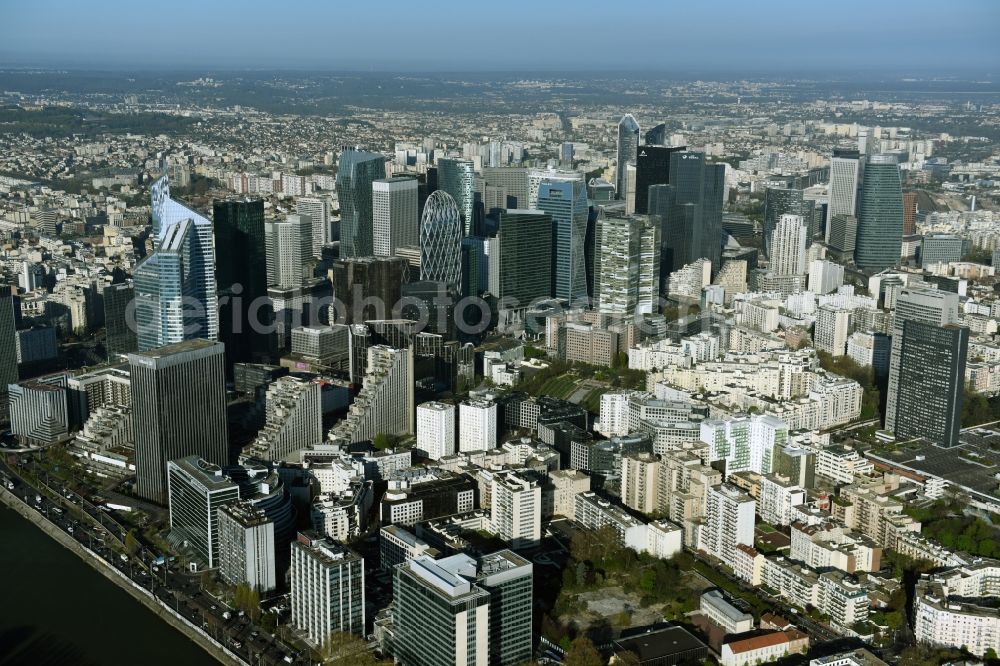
(436, 429)
(626, 264)
(327, 588)
(628, 148)
(477, 425)
(288, 245)
(246, 546)
(729, 519)
(394, 213)
(180, 271)
(318, 210)
(788, 246)
(926, 306)
(845, 171)
(516, 509)
(833, 325)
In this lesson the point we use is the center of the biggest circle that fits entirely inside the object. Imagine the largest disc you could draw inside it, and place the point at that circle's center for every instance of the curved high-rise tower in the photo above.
(880, 217)
(441, 241)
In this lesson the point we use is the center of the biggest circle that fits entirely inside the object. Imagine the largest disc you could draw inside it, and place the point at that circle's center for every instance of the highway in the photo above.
(97, 530)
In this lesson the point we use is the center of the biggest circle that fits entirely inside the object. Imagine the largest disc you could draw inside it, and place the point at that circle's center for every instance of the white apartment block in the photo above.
(829, 545)
(567, 484)
(777, 497)
(947, 613)
(640, 482)
(842, 464)
(614, 412)
(729, 521)
(516, 509)
(477, 425)
(745, 443)
(436, 429)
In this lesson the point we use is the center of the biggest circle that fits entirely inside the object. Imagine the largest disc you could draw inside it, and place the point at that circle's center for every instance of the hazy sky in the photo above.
(449, 35)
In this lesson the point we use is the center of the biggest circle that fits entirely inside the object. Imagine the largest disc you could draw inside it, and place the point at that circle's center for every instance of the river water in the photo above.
(55, 609)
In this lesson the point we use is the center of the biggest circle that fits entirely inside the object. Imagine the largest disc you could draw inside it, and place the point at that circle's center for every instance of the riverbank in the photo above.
(162, 612)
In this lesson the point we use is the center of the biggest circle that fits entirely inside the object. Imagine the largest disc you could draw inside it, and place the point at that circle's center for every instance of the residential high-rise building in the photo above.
(196, 490)
(39, 410)
(441, 241)
(628, 146)
(246, 547)
(394, 210)
(175, 287)
(318, 210)
(385, 403)
(458, 610)
(931, 382)
(788, 246)
(516, 509)
(327, 588)
(566, 202)
(746, 444)
(457, 178)
(641, 475)
(880, 215)
(833, 325)
(845, 172)
(909, 213)
(777, 203)
(626, 264)
(293, 418)
(356, 172)
(477, 425)
(119, 319)
(178, 409)
(728, 522)
(436, 429)
(289, 251)
(929, 306)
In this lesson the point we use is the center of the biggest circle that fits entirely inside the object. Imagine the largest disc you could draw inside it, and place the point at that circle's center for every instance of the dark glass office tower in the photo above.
(711, 214)
(356, 172)
(8, 346)
(178, 410)
(880, 220)
(657, 136)
(931, 382)
(120, 332)
(524, 256)
(672, 242)
(241, 273)
(652, 167)
(778, 202)
(458, 178)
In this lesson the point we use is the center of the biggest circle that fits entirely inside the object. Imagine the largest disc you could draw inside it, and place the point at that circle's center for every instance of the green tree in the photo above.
(131, 543)
(342, 648)
(583, 653)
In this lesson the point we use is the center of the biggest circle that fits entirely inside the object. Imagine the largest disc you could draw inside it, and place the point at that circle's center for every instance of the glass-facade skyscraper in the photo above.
(357, 171)
(520, 257)
(175, 286)
(931, 382)
(652, 167)
(458, 178)
(8, 346)
(880, 217)
(240, 260)
(845, 171)
(441, 241)
(566, 202)
(628, 146)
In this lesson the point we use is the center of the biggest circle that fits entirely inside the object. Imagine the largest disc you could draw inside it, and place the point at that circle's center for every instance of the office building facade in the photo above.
(565, 201)
(441, 241)
(327, 588)
(356, 172)
(178, 409)
(394, 209)
(880, 215)
(931, 382)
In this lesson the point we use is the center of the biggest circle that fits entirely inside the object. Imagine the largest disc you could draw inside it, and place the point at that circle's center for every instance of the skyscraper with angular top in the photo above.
(628, 146)
(880, 217)
(357, 171)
